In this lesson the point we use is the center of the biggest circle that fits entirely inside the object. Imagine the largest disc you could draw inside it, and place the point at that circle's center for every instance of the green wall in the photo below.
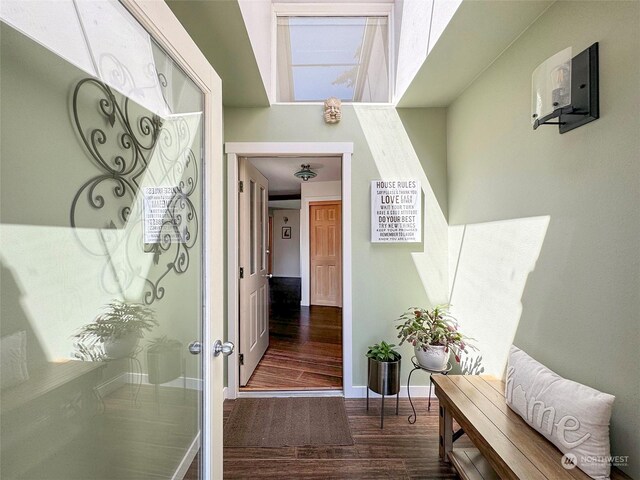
(580, 305)
(387, 278)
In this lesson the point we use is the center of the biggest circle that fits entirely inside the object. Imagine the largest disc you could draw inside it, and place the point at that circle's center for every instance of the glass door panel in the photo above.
(101, 248)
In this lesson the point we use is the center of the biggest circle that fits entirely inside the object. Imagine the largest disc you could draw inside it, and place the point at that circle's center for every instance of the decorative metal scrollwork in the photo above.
(134, 150)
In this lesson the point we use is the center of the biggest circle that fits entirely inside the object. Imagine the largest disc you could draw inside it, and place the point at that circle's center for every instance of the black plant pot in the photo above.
(384, 377)
(165, 364)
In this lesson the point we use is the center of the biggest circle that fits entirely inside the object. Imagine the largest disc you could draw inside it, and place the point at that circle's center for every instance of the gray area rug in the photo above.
(287, 422)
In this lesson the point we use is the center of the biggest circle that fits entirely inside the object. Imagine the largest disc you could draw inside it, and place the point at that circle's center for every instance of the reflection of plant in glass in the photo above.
(164, 360)
(349, 77)
(118, 320)
(160, 344)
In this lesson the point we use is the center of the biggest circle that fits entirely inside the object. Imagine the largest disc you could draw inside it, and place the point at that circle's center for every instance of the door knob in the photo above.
(268, 275)
(195, 348)
(225, 348)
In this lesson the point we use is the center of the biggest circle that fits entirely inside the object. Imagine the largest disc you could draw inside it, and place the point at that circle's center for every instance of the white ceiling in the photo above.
(476, 36)
(279, 171)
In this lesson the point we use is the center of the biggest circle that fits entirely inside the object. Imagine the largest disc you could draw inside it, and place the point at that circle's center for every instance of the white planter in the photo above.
(434, 358)
(122, 347)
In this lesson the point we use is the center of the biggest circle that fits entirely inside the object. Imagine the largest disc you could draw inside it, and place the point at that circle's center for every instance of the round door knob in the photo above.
(268, 275)
(195, 348)
(225, 348)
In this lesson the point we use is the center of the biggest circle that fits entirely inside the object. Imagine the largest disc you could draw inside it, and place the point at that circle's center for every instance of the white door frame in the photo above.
(293, 149)
(162, 24)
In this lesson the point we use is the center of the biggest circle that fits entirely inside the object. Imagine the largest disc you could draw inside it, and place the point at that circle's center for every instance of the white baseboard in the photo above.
(134, 378)
(224, 393)
(187, 460)
(290, 393)
(143, 378)
(418, 391)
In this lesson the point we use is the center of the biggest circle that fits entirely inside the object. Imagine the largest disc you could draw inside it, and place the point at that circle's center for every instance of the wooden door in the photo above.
(325, 226)
(254, 277)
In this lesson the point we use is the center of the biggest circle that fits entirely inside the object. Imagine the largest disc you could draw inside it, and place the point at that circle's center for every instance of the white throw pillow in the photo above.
(574, 417)
(13, 359)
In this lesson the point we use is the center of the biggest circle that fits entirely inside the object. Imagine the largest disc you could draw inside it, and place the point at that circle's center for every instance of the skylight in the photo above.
(343, 57)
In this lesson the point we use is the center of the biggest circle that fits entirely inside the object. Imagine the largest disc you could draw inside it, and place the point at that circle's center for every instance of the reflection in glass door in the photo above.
(101, 248)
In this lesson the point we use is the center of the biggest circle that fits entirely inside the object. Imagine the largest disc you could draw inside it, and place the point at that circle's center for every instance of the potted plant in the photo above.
(115, 333)
(384, 369)
(164, 360)
(434, 335)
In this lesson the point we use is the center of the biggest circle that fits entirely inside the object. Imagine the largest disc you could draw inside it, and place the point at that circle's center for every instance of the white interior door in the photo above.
(254, 277)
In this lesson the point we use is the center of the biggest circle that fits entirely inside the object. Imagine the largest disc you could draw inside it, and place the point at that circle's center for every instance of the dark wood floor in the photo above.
(305, 350)
(399, 451)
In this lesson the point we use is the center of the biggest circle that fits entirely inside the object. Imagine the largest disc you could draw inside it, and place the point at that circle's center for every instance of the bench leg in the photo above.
(446, 433)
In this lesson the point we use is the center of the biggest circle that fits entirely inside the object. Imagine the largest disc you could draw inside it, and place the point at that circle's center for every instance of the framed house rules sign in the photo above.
(396, 211)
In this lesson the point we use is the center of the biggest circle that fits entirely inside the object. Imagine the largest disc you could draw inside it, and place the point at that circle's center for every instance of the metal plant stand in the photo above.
(384, 388)
(416, 366)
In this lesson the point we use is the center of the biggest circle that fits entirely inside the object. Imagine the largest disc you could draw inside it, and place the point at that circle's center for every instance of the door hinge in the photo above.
(241, 272)
(242, 359)
(241, 186)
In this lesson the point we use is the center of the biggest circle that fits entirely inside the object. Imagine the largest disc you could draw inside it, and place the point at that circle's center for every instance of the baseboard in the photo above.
(143, 378)
(417, 391)
(224, 393)
(187, 460)
(290, 393)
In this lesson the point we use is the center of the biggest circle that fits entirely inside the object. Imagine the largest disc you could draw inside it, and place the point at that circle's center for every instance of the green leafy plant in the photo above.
(161, 344)
(118, 320)
(383, 352)
(436, 327)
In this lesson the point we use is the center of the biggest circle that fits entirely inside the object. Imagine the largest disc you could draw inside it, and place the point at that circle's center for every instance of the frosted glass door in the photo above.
(101, 248)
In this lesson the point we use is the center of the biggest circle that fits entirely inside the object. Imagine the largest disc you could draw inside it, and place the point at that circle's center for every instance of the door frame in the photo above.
(234, 150)
(160, 22)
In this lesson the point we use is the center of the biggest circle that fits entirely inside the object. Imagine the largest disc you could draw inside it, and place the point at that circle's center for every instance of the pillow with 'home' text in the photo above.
(572, 416)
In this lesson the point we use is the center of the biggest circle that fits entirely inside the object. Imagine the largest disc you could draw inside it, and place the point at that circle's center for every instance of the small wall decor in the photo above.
(332, 110)
(286, 233)
(396, 211)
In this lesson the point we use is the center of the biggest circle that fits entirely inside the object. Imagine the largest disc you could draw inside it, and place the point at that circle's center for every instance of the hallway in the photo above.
(305, 350)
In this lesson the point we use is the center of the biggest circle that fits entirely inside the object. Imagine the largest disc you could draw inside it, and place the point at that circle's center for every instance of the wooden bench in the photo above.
(43, 415)
(49, 378)
(506, 447)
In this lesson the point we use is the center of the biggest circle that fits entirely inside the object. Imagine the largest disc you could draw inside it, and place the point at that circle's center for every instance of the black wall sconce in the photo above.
(566, 88)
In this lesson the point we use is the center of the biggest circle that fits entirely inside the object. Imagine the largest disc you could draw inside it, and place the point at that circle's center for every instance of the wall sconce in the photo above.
(566, 88)
(305, 173)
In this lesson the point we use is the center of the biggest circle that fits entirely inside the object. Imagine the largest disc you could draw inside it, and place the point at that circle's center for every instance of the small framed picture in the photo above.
(286, 233)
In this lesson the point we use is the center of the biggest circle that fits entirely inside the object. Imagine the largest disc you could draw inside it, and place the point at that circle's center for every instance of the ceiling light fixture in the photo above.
(305, 173)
